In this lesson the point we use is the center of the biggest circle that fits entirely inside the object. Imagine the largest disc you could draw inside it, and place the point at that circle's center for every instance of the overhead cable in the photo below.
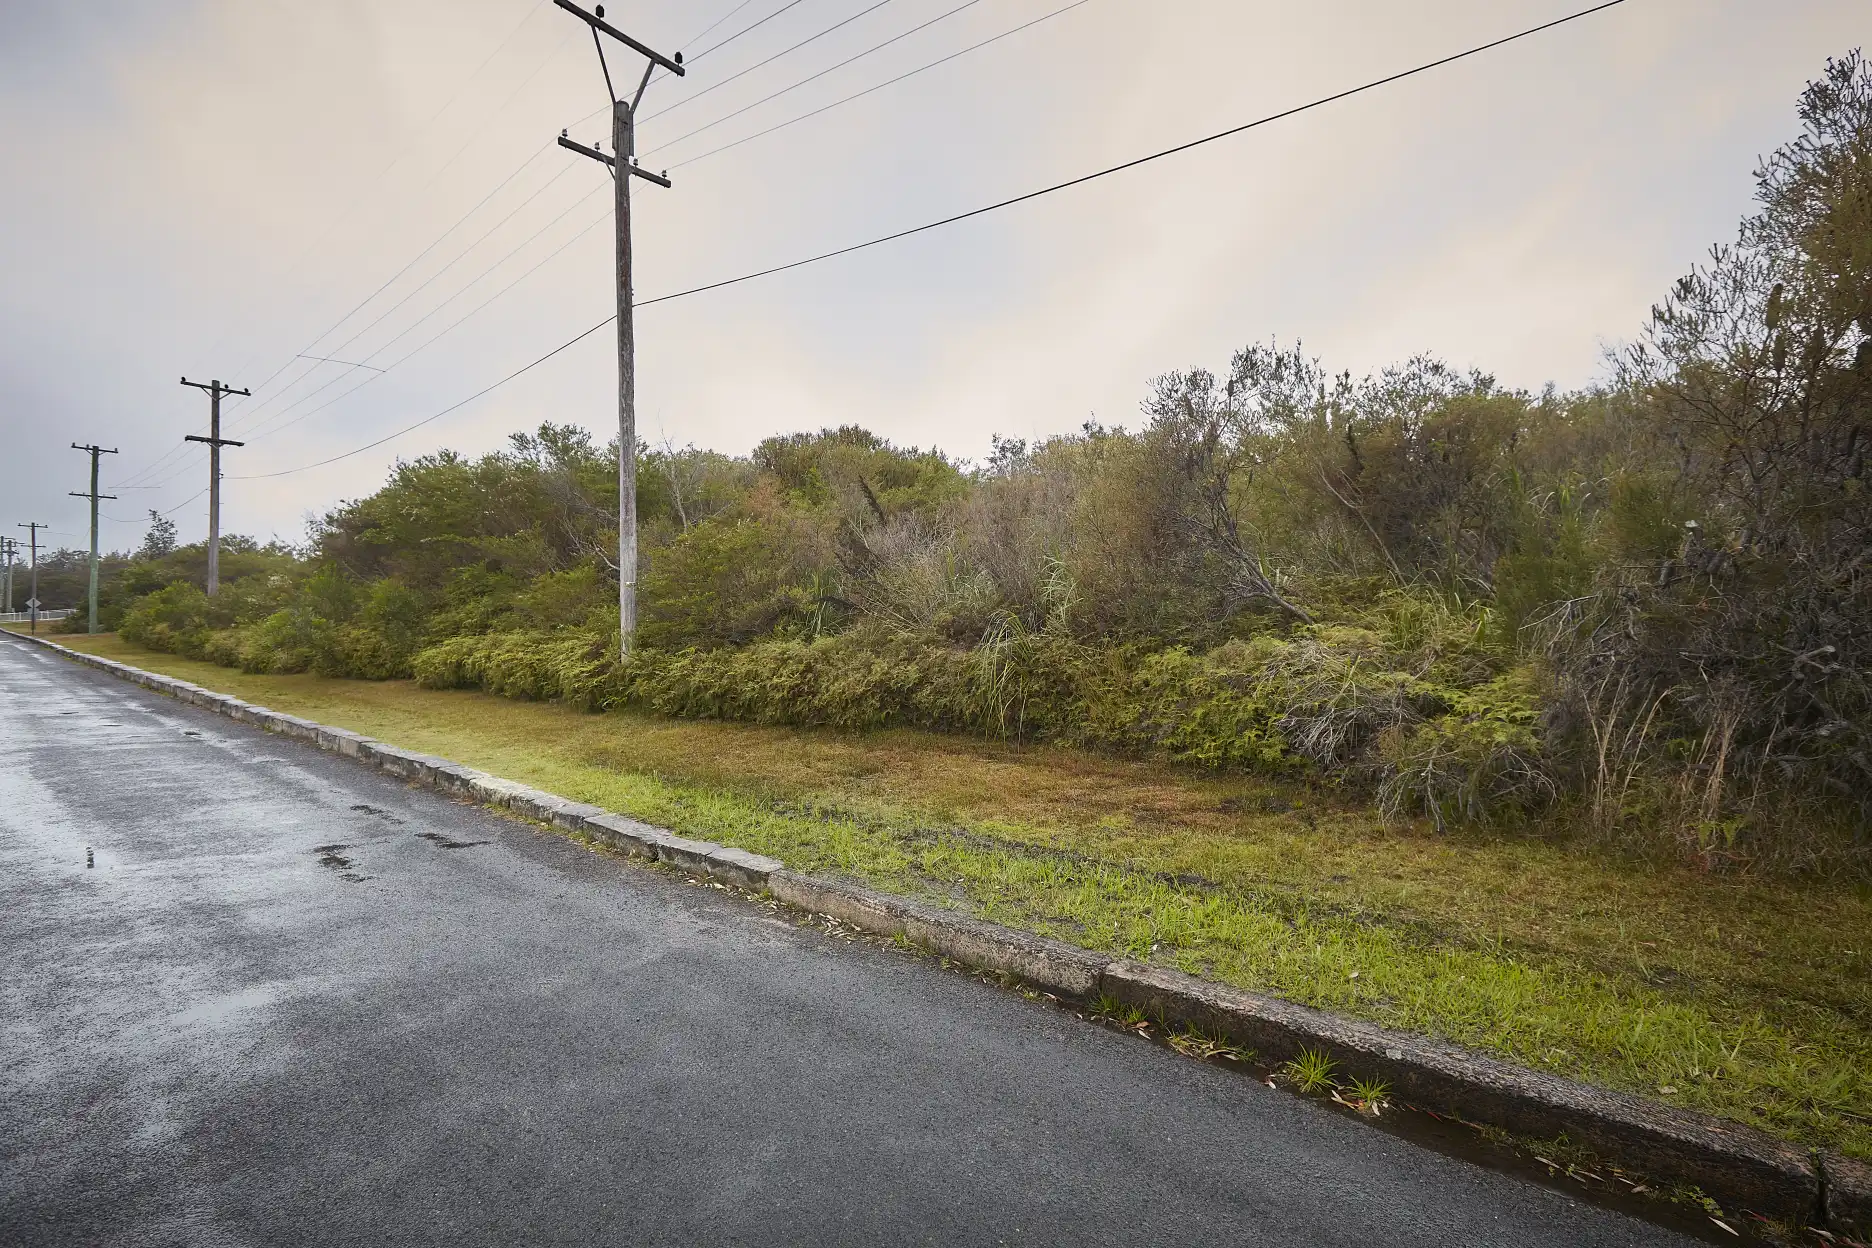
(768, 99)
(412, 145)
(974, 47)
(964, 216)
(424, 285)
(716, 47)
(714, 25)
(452, 326)
(716, 86)
(385, 171)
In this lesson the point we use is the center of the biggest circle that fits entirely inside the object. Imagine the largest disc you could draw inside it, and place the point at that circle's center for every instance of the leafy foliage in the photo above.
(1639, 610)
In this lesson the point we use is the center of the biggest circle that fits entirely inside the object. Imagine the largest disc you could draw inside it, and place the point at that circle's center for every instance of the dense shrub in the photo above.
(1642, 609)
(1319, 704)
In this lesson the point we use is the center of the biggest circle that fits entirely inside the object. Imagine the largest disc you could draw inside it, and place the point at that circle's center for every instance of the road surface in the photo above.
(293, 1002)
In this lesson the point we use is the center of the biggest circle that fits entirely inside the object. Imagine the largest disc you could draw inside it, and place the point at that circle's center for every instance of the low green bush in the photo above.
(1326, 704)
(173, 619)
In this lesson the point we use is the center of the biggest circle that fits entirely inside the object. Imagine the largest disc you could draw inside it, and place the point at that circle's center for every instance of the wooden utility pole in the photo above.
(624, 167)
(93, 495)
(32, 603)
(215, 441)
(9, 551)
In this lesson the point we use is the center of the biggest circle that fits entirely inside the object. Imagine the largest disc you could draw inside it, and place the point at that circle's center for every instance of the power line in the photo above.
(449, 163)
(168, 456)
(974, 47)
(185, 502)
(439, 415)
(743, 31)
(407, 148)
(768, 99)
(162, 460)
(591, 116)
(717, 23)
(254, 412)
(417, 259)
(964, 216)
(378, 180)
(1142, 160)
(452, 327)
(445, 303)
(250, 413)
(770, 60)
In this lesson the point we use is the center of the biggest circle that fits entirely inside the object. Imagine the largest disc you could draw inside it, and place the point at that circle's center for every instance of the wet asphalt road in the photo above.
(296, 1003)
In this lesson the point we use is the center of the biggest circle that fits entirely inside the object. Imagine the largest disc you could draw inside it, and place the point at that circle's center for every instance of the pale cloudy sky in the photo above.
(208, 186)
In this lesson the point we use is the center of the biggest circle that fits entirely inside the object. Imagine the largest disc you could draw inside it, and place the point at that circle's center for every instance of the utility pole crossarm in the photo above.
(596, 22)
(189, 437)
(636, 169)
(211, 386)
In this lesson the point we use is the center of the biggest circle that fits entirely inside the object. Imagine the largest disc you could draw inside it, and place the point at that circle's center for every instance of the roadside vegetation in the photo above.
(1636, 616)
(1734, 993)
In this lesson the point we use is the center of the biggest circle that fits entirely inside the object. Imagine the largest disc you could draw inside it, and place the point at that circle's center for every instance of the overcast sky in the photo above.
(214, 187)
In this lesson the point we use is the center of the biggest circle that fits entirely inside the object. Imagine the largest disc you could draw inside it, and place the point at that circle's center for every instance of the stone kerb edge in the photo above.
(1733, 1163)
(1847, 1188)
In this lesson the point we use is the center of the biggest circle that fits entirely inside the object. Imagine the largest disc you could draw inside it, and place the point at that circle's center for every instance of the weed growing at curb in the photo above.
(1311, 1072)
(1199, 1044)
(1366, 1095)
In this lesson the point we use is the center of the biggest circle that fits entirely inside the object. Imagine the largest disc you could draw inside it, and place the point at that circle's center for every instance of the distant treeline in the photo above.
(1639, 611)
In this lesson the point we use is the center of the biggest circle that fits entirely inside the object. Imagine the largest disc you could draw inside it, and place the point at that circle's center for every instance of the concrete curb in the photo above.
(1734, 1164)
(1847, 1186)
(1731, 1162)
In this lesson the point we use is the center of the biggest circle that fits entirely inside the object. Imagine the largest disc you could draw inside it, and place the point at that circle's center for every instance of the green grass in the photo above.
(1311, 1072)
(1750, 998)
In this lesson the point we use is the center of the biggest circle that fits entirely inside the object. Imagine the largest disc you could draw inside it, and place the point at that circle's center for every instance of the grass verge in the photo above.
(1747, 998)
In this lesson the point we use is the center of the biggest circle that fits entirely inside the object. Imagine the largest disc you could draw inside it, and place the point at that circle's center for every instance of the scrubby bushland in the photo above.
(1639, 611)
(1734, 637)
(1332, 701)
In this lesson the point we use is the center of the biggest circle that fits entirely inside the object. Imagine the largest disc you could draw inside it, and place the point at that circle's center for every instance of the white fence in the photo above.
(22, 617)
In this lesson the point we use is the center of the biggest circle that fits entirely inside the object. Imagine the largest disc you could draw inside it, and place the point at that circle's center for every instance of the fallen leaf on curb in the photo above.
(1727, 1227)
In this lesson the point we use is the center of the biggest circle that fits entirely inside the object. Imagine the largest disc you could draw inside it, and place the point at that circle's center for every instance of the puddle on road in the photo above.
(221, 1010)
(446, 843)
(332, 858)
